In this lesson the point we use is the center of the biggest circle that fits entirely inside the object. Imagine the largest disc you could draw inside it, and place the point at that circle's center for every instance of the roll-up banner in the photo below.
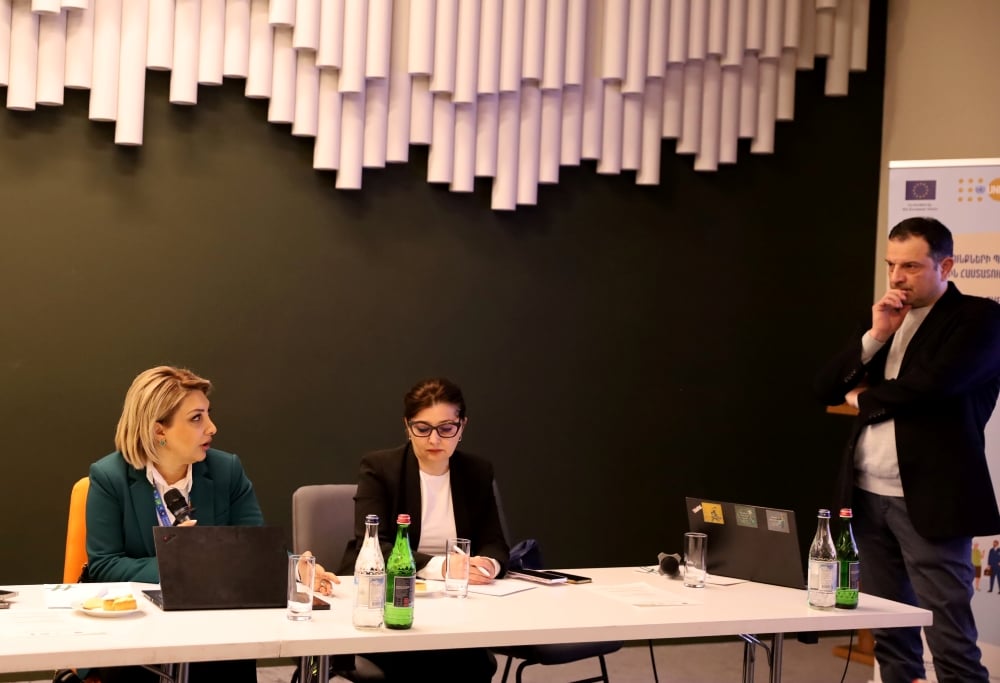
(964, 194)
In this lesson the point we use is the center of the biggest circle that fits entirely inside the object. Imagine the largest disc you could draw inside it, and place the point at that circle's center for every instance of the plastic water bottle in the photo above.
(369, 579)
(823, 566)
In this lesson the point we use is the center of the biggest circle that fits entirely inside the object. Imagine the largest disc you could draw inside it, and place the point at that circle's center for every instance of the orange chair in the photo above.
(76, 532)
(76, 553)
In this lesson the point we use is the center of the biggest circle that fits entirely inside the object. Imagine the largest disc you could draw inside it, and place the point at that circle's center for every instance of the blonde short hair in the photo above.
(153, 398)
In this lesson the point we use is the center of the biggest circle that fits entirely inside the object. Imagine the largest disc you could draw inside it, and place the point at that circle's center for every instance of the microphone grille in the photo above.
(174, 500)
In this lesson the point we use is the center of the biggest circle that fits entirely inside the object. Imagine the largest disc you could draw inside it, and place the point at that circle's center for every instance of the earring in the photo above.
(163, 442)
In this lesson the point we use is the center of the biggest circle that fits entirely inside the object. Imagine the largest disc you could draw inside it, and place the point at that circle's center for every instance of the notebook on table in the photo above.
(220, 567)
(749, 541)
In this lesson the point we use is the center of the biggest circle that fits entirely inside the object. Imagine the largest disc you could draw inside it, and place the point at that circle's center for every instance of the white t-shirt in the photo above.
(876, 463)
(437, 525)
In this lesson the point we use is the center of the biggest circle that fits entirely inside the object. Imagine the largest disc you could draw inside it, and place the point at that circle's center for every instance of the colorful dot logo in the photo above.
(974, 189)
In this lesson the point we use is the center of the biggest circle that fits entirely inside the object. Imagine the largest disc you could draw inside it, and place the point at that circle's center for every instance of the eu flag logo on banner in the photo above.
(917, 190)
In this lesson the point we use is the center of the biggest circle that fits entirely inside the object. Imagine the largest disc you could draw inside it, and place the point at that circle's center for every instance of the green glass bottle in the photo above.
(400, 575)
(850, 563)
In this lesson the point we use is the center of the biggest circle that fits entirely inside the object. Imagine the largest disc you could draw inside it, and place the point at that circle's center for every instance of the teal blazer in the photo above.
(121, 514)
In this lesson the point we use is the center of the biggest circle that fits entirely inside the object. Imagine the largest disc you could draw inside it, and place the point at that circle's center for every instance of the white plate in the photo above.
(427, 589)
(101, 612)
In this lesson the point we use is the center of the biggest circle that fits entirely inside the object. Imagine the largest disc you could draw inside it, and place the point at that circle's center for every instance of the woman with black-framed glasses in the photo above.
(448, 493)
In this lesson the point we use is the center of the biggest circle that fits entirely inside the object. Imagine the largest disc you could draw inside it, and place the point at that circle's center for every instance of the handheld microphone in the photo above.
(669, 564)
(178, 507)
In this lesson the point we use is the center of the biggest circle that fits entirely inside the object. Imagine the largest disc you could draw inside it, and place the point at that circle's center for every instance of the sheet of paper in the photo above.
(501, 587)
(713, 579)
(716, 580)
(30, 623)
(641, 594)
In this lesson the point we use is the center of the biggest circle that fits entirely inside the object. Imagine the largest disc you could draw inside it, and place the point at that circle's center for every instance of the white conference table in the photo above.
(33, 638)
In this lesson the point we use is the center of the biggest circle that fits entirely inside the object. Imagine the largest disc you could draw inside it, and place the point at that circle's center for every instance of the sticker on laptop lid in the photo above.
(712, 513)
(777, 520)
(746, 515)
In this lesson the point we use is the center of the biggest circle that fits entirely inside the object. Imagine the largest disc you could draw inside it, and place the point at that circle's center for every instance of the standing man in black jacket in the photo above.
(924, 378)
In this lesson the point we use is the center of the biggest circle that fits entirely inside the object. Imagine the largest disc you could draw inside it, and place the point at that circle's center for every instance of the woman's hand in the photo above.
(323, 580)
(481, 569)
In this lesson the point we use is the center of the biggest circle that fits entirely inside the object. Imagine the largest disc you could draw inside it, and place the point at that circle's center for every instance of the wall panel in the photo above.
(215, 244)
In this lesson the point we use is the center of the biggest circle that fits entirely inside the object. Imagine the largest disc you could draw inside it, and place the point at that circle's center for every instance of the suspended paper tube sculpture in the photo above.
(107, 46)
(463, 177)
(509, 90)
(51, 59)
(398, 118)
(305, 119)
(307, 22)
(187, 42)
(352, 73)
(638, 49)
(376, 123)
(23, 76)
(160, 35)
(533, 53)
(80, 48)
(259, 61)
(211, 47)
(467, 53)
(330, 53)
(132, 72)
(236, 52)
(281, 108)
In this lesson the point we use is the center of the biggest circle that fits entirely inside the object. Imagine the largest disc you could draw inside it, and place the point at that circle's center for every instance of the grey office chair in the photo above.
(323, 523)
(551, 654)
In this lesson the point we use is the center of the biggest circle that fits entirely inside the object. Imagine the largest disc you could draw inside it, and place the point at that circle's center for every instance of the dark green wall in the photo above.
(620, 347)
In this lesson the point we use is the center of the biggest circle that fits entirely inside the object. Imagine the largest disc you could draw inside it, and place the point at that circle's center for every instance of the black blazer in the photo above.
(389, 484)
(940, 402)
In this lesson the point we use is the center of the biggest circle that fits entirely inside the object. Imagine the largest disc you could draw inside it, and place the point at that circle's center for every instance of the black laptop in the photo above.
(220, 567)
(749, 541)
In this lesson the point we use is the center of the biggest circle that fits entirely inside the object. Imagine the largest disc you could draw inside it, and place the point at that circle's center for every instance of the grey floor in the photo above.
(676, 662)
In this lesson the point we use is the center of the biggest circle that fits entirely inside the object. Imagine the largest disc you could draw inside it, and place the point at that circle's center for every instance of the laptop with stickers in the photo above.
(749, 541)
(219, 567)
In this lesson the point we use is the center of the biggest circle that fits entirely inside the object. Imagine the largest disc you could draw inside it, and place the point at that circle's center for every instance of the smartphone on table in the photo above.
(547, 576)
(536, 575)
(570, 578)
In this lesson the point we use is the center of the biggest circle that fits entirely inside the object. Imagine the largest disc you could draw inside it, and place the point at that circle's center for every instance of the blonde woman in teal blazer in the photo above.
(163, 441)
(121, 512)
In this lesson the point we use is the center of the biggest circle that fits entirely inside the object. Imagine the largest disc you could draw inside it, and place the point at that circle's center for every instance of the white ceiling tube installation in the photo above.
(506, 89)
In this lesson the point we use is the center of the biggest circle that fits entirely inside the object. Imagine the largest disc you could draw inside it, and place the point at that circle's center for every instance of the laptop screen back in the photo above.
(221, 567)
(749, 541)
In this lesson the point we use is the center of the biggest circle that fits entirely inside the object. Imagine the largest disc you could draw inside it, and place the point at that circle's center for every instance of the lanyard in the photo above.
(161, 511)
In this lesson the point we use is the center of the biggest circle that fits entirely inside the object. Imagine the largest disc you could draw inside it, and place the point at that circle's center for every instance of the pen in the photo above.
(482, 570)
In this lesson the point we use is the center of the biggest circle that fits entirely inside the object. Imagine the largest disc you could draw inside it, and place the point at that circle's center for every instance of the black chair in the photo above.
(323, 523)
(551, 654)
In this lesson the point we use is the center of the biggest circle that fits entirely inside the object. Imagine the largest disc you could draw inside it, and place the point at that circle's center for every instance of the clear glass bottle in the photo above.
(400, 575)
(369, 579)
(823, 566)
(850, 563)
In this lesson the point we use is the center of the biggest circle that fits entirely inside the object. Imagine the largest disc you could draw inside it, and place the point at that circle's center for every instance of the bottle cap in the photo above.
(403, 518)
(823, 512)
(845, 513)
(371, 519)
